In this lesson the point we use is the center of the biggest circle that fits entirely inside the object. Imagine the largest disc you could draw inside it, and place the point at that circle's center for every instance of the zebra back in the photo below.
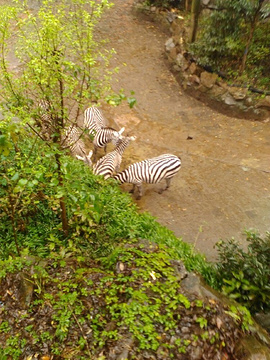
(46, 118)
(111, 162)
(151, 170)
(94, 119)
(106, 135)
(73, 140)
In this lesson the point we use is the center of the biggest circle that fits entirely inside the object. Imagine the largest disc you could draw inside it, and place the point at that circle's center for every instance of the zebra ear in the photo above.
(121, 130)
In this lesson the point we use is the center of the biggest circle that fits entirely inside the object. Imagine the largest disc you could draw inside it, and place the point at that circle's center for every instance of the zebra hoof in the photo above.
(138, 197)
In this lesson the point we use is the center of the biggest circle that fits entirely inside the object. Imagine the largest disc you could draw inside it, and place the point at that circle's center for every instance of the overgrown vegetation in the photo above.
(234, 39)
(230, 38)
(98, 213)
(245, 275)
(98, 283)
(57, 62)
(75, 275)
(73, 307)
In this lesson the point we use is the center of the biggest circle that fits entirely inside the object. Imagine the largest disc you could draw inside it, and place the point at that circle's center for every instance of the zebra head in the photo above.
(86, 158)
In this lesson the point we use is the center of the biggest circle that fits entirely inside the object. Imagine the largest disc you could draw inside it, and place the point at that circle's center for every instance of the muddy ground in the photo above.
(223, 187)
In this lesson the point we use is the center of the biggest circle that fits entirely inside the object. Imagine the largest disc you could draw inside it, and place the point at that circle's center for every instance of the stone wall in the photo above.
(209, 86)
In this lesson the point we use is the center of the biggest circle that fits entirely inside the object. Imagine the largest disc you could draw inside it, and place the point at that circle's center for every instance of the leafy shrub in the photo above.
(245, 275)
(167, 4)
(224, 36)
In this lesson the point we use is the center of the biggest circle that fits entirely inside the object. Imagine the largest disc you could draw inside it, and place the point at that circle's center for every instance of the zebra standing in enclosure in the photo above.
(73, 140)
(94, 120)
(111, 162)
(104, 136)
(150, 171)
(46, 122)
(96, 124)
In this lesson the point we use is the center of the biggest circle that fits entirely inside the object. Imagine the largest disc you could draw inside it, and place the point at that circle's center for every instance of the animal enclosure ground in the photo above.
(223, 187)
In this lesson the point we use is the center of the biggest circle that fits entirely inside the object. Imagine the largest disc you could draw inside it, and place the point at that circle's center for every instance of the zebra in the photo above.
(94, 120)
(46, 118)
(73, 140)
(101, 134)
(150, 171)
(111, 162)
(104, 136)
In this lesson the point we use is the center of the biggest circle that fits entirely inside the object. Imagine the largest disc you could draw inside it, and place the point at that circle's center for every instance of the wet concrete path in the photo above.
(223, 187)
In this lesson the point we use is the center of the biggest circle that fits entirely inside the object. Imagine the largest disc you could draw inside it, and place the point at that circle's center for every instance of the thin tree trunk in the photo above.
(250, 37)
(195, 12)
(187, 5)
(62, 199)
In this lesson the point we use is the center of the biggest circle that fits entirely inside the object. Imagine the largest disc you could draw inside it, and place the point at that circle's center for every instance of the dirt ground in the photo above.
(223, 186)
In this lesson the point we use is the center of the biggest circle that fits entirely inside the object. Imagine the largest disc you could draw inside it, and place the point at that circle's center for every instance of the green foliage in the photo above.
(100, 215)
(245, 275)
(27, 188)
(241, 315)
(166, 4)
(134, 292)
(223, 37)
(61, 63)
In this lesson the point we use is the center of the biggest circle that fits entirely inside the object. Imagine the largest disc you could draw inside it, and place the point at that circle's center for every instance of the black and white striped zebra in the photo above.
(111, 162)
(101, 134)
(73, 140)
(45, 122)
(104, 136)
(94, 120)
(150, 171)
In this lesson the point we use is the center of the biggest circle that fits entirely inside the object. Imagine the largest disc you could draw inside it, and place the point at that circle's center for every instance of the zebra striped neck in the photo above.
(121, 145)
(121, 177)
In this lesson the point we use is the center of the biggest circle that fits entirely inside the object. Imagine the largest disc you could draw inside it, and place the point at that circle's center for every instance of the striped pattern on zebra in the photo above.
(96, 124)
(46, 122)
(150, 171)
(94, 120)
(105, 136)
(111, 162)
(73, 140)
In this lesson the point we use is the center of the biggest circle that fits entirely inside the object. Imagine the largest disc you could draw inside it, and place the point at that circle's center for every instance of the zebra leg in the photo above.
(105, 148)
(133, 189)
(168, 183)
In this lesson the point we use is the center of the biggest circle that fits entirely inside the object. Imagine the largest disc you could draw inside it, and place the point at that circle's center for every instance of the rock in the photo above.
(193, 67)
(196, 353)
(228, 99)
(172, 54)
(208, 79)
(202, 88)
(254, 349)
(217, 91)
(263, 320)
(264, 102)
(169, 44)
(238, 93)
(26, 290)
(122, 350)
(180, 60)
(194, 79)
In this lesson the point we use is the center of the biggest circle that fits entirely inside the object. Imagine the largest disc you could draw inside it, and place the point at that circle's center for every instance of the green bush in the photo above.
(223, 39)
(245, 275)
(167, 4)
